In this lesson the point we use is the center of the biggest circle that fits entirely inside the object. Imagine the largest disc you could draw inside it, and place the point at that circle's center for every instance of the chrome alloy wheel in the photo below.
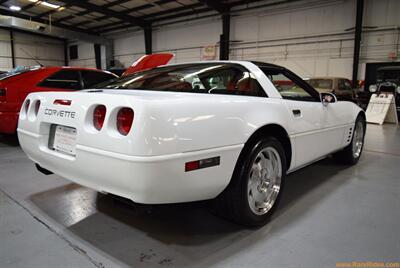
(264, 181)
(358, 139)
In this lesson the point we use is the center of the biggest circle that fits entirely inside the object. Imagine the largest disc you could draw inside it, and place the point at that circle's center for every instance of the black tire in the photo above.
(233, 202)
(346, 156)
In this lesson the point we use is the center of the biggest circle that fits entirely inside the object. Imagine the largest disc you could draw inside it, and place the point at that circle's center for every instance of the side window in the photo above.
(64, 79)
(287, 87)
(232, 81)
(200, 78)
(91, 78)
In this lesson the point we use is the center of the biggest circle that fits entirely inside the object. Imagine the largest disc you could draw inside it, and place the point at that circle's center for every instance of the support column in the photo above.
(12, 48)
(66, 61)
(225, 37)
(148, 40)
(97, 55)
(357, 40)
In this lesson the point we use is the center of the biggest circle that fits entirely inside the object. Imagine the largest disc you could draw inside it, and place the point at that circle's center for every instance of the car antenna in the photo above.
(32, 57)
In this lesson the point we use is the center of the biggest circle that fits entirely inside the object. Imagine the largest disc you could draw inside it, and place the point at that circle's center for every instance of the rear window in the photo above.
(321, 83)
(64, 79)
(91, 78)
(216, 78)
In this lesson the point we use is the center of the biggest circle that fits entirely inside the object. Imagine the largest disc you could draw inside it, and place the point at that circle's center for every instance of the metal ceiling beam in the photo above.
(188, 13)
(85, 12)
(108, 12)
(29, 6)
(47, 13)
(134, 9)
(6, 12)
(216, 5)
(150, 17)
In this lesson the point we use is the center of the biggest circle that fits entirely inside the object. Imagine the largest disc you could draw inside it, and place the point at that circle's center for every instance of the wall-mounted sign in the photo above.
(209, 52)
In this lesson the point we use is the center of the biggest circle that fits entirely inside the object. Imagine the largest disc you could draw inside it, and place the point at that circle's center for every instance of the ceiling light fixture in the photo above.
(15, 8)
(47, 4)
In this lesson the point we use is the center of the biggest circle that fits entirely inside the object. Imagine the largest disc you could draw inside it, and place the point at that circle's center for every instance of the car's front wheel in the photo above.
(257, 183)
(352, 152)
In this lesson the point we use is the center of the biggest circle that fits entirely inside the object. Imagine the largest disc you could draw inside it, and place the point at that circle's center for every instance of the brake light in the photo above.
(37, 107)
(62, 102)
(124, 120)
(99, 114)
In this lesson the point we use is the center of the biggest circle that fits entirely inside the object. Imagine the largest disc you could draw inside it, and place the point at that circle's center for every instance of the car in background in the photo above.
(18, 83)
(339, 86)
(388, 81)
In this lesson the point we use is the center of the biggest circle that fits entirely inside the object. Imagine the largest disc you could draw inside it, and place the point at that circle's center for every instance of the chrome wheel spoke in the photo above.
(358, 139)
(264, 181)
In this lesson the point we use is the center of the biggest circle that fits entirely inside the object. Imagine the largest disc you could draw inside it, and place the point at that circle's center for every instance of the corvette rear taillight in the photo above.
(124, 120)
(99, 114)
(37, 107)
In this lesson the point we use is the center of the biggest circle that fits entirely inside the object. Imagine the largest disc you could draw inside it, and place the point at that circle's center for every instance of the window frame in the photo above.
(294, 78)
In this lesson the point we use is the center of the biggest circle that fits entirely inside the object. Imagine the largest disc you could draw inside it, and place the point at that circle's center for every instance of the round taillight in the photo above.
(99, 114)
(124, 120)
(27, 103)
(37, 107)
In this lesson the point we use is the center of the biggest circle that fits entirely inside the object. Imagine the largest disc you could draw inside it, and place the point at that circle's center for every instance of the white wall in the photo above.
(308, 37)
(86, 57)
(5, 51)
(49, 52)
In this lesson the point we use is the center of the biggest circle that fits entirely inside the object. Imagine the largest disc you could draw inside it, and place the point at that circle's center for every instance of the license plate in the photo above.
(65, 140)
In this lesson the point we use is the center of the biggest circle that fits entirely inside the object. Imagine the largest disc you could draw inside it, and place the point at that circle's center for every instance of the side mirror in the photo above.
(373, 88)
(327, 98)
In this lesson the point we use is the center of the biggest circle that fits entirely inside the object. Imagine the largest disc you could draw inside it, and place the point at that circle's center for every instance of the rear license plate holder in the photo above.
(63, 139)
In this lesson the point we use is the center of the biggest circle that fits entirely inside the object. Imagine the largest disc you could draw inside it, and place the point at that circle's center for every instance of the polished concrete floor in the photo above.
(329, 214)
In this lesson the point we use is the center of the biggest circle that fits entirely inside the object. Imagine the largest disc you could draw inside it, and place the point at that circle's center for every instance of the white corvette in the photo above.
(223, 130)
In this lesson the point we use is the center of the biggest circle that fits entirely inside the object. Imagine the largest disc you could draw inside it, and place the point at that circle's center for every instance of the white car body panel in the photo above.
(170, 129)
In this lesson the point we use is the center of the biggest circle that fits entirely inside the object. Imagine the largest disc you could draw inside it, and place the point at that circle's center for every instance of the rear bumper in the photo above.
(143, 179)
(8, 122)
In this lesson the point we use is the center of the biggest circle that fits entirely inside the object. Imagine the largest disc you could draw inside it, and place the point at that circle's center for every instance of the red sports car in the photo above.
(17, 84)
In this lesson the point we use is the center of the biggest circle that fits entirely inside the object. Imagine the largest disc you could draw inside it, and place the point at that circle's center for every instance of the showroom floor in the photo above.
(329, 214)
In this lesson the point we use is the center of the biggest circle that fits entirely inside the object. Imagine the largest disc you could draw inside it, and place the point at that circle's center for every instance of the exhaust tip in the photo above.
(43, 170)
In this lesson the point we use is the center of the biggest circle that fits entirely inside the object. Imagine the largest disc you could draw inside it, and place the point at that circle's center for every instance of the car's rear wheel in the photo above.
(352, 152)
(257, 183)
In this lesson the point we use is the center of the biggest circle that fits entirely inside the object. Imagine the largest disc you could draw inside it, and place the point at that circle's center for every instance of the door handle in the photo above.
(296, 113)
